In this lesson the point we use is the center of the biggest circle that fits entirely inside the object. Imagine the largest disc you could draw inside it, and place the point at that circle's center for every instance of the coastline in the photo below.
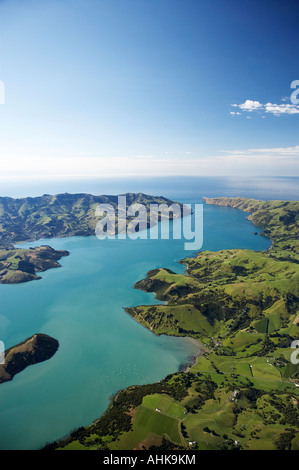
(202, 350)
(195, 357)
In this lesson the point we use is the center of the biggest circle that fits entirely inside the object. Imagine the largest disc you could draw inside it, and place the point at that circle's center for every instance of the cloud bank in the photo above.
(250, 106)
(283, 161)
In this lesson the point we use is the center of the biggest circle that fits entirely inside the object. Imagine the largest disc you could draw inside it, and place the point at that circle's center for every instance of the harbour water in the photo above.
(81, 304)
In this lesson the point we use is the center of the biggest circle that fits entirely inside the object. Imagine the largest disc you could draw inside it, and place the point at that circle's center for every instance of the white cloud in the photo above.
(270, 108)
(278, 109)
(250, 105)
(280, 152)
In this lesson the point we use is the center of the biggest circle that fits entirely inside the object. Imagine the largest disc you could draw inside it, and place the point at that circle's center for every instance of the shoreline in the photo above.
(195, 357)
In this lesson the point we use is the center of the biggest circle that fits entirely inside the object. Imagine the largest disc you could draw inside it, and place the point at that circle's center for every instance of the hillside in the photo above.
(61, 215)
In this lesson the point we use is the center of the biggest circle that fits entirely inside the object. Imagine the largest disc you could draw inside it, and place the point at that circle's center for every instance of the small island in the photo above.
(37, 348)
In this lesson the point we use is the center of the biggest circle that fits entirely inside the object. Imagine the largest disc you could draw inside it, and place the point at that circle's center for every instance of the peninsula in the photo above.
(60, 215)
(242, 393)
(22, 265)
(37, 348)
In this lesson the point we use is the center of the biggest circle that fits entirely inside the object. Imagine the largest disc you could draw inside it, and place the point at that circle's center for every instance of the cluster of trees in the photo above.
(289, 412)
(284, 441)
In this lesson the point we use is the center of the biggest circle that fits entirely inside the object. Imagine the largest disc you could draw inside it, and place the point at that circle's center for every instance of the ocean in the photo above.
(102, 349)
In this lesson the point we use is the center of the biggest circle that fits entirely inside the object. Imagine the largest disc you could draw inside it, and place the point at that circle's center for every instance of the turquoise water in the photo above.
(102, 349)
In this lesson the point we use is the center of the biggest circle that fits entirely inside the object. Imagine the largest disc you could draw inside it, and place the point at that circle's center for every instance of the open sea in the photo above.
(81, 304)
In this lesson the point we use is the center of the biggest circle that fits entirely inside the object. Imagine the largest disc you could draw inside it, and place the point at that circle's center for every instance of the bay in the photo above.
(102, 349)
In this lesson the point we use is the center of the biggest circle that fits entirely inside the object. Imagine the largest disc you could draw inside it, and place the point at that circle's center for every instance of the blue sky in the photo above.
(148, 87)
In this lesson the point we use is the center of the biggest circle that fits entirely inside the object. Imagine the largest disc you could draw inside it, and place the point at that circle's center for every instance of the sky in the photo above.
(148, 88)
